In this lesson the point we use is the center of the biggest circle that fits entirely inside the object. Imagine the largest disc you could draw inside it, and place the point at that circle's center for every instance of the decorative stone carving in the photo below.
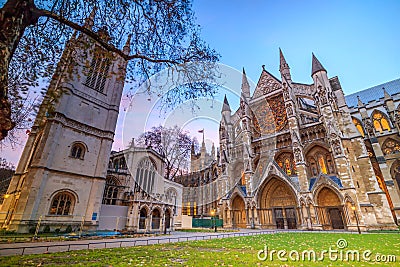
(297, 154)
(289, 109)
(285, 92)
(369, 127)
(322, 95)
(336, 144)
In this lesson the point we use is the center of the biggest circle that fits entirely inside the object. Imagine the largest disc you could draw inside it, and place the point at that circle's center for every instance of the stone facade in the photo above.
(135, 179)
(63, 172)
(297, 156)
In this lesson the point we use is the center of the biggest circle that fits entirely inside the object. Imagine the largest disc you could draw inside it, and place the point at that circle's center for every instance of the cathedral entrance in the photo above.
(278, 206)
(330, 212)
(239, 213)
(336, 218)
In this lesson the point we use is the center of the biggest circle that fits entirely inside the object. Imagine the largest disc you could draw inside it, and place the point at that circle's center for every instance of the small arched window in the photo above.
(62, 204)
(359, 126)
(77, 151)
(380, 121)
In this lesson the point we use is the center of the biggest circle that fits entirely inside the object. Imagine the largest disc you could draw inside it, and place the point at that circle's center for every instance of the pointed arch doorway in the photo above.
(330, 211)
(278, 206)
(238, 213)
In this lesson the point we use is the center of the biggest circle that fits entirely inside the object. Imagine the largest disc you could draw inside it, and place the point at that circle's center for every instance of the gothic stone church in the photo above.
(303, 156)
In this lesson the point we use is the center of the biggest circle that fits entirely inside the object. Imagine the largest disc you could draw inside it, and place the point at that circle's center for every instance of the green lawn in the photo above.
(238, 251)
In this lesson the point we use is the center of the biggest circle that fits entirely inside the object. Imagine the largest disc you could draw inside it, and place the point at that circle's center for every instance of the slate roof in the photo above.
(316, 65)
(373, 93)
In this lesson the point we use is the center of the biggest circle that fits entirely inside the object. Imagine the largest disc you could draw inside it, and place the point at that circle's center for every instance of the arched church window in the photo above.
(380, 121)
(286, 163)
(77, 151)
(319, 160)
(359, 126)
(145, 174)
(62, 204)
(111, 191)
(391, 146)
(97, 73)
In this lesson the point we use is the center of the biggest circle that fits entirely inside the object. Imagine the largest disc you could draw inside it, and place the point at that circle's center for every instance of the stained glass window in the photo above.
(391, 146)
(322, 164)
(380, 121)
(359, 127)
(319, 161)
(286, 163)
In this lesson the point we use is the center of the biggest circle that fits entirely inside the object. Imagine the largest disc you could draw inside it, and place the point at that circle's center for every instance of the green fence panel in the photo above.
(206, 223)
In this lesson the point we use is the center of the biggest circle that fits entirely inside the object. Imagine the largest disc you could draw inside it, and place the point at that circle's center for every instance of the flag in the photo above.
(201, 131)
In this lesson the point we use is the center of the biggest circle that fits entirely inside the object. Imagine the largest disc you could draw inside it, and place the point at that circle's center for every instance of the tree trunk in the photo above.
(15, 17)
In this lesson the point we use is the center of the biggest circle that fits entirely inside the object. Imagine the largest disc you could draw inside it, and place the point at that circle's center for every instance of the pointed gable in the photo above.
(266, 84)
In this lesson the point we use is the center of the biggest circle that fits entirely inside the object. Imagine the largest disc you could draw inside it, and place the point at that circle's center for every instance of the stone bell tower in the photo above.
(60, 177)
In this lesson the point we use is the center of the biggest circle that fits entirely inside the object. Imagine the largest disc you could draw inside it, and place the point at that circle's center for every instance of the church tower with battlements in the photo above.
(60, 177)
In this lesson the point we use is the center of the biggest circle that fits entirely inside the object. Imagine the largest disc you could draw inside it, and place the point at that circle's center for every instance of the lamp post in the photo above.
(214, 220)
(355, 215)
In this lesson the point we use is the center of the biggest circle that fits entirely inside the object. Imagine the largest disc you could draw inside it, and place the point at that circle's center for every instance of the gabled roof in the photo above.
(262, 88)
(374, 93)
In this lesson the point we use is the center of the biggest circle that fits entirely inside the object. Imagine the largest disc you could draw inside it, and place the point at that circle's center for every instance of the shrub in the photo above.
(69, 229)
(46, 229)
(32, 230)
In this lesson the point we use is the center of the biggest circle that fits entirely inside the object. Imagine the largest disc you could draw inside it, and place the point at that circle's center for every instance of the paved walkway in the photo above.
(177, 236)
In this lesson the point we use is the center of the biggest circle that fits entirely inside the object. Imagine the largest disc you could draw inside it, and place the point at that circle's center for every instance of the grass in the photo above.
(238, 251)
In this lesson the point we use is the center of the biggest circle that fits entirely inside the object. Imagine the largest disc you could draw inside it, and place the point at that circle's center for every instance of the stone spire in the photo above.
(193, 152)
(359, 102)
(386, 94)
(245, 85)
(284, 67)
(127, 46)
(225, 106)
(89, 21)
(316, 65)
